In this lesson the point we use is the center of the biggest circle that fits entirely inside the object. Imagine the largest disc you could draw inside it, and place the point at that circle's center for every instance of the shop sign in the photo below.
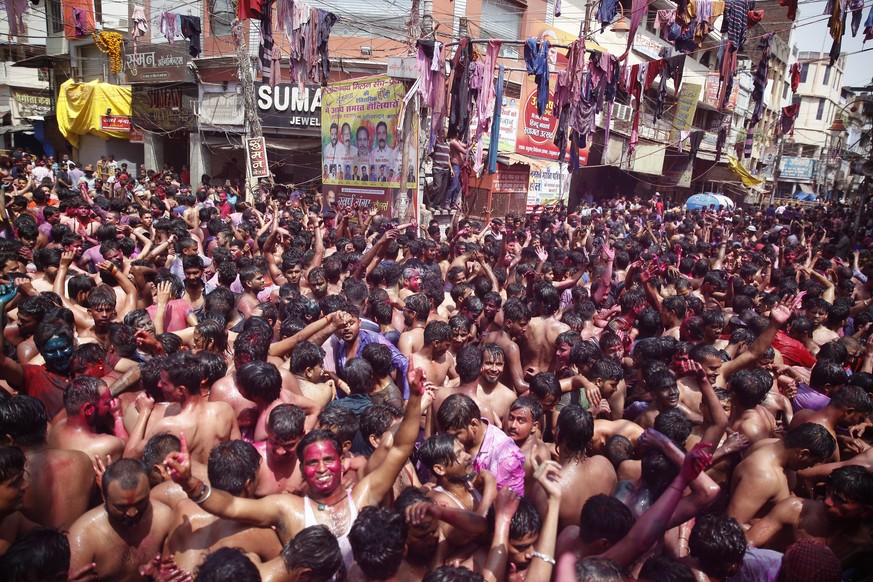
(362, 154)
(256, 149)
(222, 109)
(647, 46)
(797, 168)
(163, 109)
(32, 103)
(536, 132)
(510, 179)
(713, 81)
(686, 107)
(136, 135)
(114, 123)
(287, 105)
(157, 63)
(402, 68)
(544, 187)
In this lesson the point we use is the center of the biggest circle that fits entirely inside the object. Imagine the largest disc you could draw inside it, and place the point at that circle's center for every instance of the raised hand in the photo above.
(144, 402)
(506, 504)
(781, 312)
(163, 292)
(548, 475)
(608, 253)
(422, 513)
(696, 461)
(735, 442)
(100, 468)
(7, 293)
(416, 379)
(652, 439)
(67, 258)
(179, 464)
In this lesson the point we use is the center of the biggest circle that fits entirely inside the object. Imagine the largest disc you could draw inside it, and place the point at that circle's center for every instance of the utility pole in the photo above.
(777, 169)
(252, 121)
(586, 23)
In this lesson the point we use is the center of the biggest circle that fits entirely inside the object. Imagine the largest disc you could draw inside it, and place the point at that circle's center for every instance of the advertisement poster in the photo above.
(686, 107)
(536, 132)
(363, 156)
(548, 184)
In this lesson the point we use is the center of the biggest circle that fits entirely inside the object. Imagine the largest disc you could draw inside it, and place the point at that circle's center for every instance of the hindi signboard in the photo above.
(362, 153)
(30, 103)
(686, 107)
(157, 63)
(114, 123)
(256, 150)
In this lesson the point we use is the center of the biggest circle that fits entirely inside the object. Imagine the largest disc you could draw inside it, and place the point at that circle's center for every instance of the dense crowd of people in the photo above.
(201, 386)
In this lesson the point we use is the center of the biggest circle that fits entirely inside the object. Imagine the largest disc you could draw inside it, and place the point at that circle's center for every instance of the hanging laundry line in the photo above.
(518, 42)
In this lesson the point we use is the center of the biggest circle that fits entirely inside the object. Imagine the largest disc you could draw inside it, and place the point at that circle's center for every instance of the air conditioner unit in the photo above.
(622, 112)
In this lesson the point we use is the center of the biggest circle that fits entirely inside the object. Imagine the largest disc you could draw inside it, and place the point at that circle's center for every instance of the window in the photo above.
(502, 19)
(821, 104)
(55, 16)
(804, 72)
(221, 15)
(827, 75)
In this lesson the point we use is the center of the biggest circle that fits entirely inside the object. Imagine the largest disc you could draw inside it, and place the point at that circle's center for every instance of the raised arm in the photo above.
(780, 314)
(548, 475)
(10, 370)
(320, 328)
(264, 512)
(653, 523)
(372, 488)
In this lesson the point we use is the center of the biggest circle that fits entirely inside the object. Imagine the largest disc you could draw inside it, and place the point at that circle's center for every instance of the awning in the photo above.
(514, 158)
(41, 61)
(15, 128)
(806, 188)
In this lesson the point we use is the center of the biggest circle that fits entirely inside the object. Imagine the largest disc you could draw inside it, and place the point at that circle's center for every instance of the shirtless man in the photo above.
(307, 364)
(261, 383)
(207, 423)
(89, 405)
(252, 280)
(538, 348)
(280, 472)
(524, 423)
(458, 484)
(516, 318)
(192, 267)
(415, 312)
(14, 484)
(59, 483)
(233, 468)
(252, 345)
(748, 416)
(468, 365)
(433, 357)
(842, 520)
(582, 476)
(410, 282)
(848, 406)
(127, 531)
(496, 396)
(763, 478)
(320, 455)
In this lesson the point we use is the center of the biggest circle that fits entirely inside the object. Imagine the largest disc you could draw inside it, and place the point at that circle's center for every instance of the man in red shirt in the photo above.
(794, 353)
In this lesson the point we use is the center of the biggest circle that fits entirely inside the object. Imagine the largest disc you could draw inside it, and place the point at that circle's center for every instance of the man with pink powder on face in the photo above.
(328, 503)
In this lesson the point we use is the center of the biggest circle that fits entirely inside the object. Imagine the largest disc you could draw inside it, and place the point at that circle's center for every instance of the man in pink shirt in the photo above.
(490, 448)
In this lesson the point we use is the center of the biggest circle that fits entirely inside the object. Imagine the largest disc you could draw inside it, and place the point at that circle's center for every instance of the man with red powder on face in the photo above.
(328, 503)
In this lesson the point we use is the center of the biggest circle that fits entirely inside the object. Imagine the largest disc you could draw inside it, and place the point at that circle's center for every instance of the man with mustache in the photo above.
(382, 154)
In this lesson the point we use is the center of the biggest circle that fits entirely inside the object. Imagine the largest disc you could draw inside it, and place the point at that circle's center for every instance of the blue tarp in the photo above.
(707, 199)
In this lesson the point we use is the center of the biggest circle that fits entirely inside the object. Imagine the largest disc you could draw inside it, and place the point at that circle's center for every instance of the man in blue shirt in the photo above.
(349, 339)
